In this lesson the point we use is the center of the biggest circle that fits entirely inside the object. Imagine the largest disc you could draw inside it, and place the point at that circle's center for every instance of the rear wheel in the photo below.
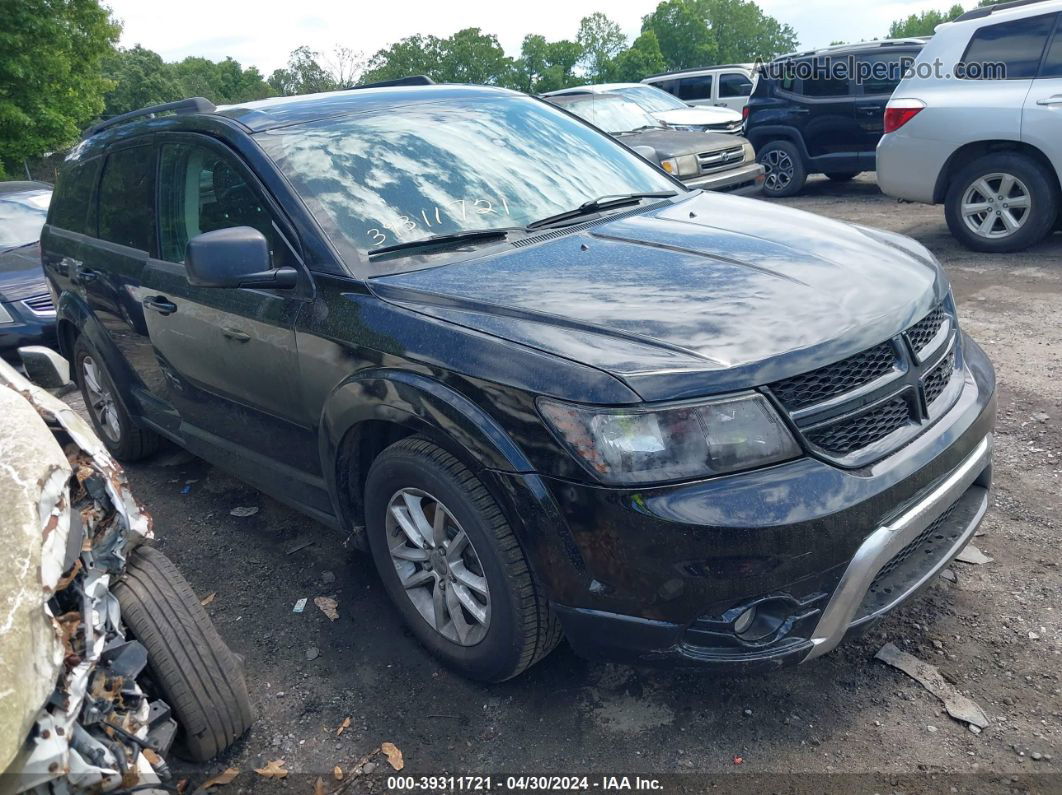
(842, 176)
(1001, 203)
(188, 662)
(784, 171)
(125, 440)
(452, 565)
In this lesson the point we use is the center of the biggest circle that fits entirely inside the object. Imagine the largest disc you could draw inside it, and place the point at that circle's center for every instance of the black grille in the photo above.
(41, 304)
(809, 388)
(925, 329)
(858, 432)
(938, 378)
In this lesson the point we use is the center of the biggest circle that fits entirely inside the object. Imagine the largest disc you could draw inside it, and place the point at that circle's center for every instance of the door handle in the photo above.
(1055, 100)
(236, 334)
(87, 275)
(160, 304)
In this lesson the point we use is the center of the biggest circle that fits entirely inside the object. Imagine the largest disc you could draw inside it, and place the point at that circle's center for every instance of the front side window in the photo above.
(127, 198)
(691, 88)
(203, 189)
(1007, 51)
(734, 84)
(22, 217)
(395, 175)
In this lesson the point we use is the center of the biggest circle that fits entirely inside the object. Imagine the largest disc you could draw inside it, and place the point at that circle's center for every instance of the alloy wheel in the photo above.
(778, 166)
(100, 400)
(438, 566)
(996, 206)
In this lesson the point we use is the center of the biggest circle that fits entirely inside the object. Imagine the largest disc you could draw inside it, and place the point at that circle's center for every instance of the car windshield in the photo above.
(405, 173)
(613, 115)
(652, 99)
(21, 218)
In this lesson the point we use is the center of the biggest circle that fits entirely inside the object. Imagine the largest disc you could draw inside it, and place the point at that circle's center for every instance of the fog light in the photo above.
(744, 621)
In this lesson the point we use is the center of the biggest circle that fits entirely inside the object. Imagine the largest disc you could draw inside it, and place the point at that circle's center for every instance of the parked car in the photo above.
(726, 86)
(550, 389)
(664, 107)
(713, 161)
(109, 658)
(27, 315)
(812, 113)
(986, 140)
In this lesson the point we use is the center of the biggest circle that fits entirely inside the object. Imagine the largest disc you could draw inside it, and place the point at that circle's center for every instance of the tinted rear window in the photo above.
(127, 198)
(1053, 62)
(690, 88)
(72, 205)
(1007, 51)
(734, 84)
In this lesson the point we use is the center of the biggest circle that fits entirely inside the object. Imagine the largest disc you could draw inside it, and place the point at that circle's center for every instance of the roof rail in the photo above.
(412, 80)
(192, 105)
(979, 13)
(699, 69)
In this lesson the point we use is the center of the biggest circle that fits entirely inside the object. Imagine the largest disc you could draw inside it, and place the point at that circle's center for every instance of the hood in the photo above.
(708, 294)
(672, 143)
(21, 274)
(699, 115)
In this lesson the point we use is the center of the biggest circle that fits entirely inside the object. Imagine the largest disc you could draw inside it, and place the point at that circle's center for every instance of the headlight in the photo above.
(685, 166)
(5, 316)
(685, 441)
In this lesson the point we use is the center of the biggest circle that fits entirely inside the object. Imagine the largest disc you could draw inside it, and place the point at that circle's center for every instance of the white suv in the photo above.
(726, 86)
(976, 124)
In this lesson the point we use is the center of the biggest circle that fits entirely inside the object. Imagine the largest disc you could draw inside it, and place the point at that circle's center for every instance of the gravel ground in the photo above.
(995, 632)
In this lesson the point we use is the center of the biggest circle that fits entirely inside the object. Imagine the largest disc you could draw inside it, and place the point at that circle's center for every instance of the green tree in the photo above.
(923, 24)
(139, 77)
(641, 59)
(51, 76)
(682, 34)
(601, 40)
(743, 33)
(304, 74)
(545, 65)
(413, 55)
(471, 56)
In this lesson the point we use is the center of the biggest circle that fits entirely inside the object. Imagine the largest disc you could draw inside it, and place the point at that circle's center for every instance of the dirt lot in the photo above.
(996, 632)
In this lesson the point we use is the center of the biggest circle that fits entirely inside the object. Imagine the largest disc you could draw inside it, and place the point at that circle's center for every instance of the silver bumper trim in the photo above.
(885, 542)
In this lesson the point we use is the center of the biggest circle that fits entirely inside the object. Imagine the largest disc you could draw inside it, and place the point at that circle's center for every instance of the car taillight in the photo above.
(900, 111)
(745, 113)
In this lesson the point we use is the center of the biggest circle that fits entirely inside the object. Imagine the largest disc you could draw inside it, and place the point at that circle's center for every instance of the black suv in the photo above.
(551, 390)
(823, 111)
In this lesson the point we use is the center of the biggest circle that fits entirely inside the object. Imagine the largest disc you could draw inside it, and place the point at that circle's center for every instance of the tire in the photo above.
(843, 176)
(785, 170)
(1029, 184)
(520, 629)
(125, 440)
(188, 662)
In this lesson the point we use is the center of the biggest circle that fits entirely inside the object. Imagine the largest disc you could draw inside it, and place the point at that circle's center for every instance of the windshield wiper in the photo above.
(452, 238)
(600, 203)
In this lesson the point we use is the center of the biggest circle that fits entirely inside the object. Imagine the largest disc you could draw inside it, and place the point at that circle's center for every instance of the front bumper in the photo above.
(28, 327)
(745, 180)
(661, 575)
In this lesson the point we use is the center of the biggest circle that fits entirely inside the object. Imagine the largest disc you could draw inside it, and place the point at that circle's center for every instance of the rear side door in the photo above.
(1041, 123)
(695, 90)
(827, 104)
(877, 75)
(733, 89)
(229, 354)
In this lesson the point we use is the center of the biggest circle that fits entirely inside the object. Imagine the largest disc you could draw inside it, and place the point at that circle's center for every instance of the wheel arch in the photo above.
(761, 136)
(968, 153)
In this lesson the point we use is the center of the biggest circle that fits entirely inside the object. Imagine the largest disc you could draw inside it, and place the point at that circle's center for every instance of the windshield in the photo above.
(652, 99)
(432, 168)
(21, 218)
(612, 115)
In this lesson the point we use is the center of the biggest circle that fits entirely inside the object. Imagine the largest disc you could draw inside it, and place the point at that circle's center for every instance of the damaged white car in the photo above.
(107, 659)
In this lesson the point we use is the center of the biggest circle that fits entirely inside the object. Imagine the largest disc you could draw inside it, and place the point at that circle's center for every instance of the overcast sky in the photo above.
(263, 32)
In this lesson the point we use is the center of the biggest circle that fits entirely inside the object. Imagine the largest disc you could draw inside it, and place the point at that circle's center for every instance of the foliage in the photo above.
(743, 33)
(601, 40)
(682, 35)
(139, 77)
(471, 56)
(641, 59)
(545, 65)
(303, 75)
(922, 24)
(51, 77)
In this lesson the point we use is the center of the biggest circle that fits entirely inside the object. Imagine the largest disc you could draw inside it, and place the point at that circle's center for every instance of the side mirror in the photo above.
(234, 257)
(45, 367)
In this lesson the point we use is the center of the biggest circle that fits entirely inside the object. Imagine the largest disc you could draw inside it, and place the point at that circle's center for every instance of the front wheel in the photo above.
(452, 565)
(784, 171)
(1001, 203)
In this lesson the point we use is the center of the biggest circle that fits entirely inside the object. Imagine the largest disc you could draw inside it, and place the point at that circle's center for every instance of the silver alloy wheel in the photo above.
(100, 400)
(438, 566)
(996, 206)
(778, 166)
